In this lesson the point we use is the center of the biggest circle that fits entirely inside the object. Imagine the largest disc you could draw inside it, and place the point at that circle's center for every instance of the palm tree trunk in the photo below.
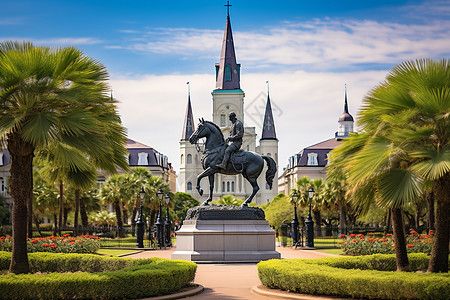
(61, 206)
(125, 215)
(342, 216)
(133, 221)
(430, 213)
(401, 255)
(440, 251)
(30, 210)
(77, 211)
(83, 213)
(388, 222)
(55, 228)
(318, 223)
(21, 183)
(119, 217)
(66, 212)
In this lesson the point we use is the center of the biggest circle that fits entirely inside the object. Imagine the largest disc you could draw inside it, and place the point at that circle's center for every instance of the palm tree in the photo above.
(113, 192)
(404, 143)
(47, 97)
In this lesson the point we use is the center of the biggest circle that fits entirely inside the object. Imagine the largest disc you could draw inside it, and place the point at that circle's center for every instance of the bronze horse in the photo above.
(250, 167)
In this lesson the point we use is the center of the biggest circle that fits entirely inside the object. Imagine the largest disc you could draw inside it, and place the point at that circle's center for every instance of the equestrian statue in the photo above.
(221, 157)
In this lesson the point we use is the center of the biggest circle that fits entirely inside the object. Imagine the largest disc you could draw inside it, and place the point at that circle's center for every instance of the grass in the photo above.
(330, 251)
(114, 252)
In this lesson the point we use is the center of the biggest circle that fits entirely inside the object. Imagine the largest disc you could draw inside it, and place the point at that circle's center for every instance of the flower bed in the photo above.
(64, 244)
(94, 277)
(358, 244)
(355, 277)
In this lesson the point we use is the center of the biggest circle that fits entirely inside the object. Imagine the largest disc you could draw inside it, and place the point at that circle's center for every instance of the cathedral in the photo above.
(228, 97)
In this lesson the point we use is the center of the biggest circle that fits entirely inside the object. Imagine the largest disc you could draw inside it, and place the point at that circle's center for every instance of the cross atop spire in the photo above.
(228, 7)
(188, 125)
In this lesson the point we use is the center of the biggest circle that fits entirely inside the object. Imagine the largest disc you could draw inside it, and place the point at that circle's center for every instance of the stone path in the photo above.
(235, 281)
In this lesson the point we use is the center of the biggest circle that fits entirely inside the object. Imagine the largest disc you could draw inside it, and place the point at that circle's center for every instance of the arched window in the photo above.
(1, 158)
(223, 186)
(228, 186)
(232, 186)
(143, 159)
(222, 120)
(227, 73)
(196, 159)
(268, 154)
(189, 186)
(189, 159)
(182, 159)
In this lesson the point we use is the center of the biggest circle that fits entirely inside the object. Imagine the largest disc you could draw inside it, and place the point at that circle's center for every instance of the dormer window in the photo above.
(312, 159)
(142, 159)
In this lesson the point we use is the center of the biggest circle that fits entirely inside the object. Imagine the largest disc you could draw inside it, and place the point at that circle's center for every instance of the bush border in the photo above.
(335, 276)
(142, 278)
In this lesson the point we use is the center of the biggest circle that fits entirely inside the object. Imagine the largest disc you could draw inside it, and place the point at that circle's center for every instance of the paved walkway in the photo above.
(232, 281)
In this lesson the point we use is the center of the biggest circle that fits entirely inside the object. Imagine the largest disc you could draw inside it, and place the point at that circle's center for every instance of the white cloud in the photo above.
(65, 41)
(327, 44)
(309, 105)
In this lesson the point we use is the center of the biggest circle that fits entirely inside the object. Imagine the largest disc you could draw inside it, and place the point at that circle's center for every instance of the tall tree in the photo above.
(52, 96)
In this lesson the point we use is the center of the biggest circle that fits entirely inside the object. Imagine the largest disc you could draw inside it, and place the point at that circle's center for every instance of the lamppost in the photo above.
(309, 223)
(168, 223)
(140, 223)
(294, 222)
(159, 222)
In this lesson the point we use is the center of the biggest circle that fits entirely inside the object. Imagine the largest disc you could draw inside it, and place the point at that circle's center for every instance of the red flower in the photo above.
(393, 247)
(371, 233)
(53, 245)
(339, 242)
(388, 234)
(342, 236)
(33, 241)
(354, 241)
(371, 240)
(67, 234)
(410, 246)
(352, 235)
(345, 243)
(80, 242)
(45, 245)
(385, 243)
(71, 243)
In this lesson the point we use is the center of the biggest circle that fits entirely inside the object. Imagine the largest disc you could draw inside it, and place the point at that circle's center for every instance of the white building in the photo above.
(228, 97)
(312, 160)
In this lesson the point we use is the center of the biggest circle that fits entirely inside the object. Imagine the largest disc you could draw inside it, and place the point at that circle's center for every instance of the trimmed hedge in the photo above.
(356, 277)
(113, 278)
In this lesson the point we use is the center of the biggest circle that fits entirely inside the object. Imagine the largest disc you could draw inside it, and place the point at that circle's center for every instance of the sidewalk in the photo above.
(234, 281)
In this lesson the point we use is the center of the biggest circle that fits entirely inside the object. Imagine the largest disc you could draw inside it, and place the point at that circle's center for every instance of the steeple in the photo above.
(188, 125)
(346, 116)
(227, 70)
(268, 131)
(345, 121)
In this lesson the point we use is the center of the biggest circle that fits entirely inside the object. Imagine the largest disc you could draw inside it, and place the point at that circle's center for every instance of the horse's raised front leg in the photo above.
(205, 173)
(253, 181)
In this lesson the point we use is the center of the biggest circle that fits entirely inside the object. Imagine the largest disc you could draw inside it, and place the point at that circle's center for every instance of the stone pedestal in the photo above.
(225, 234)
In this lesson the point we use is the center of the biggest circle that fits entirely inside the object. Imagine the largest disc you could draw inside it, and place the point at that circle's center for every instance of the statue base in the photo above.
(225, 234)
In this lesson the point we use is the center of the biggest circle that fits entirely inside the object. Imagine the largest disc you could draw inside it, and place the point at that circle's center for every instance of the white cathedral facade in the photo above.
(228, 97)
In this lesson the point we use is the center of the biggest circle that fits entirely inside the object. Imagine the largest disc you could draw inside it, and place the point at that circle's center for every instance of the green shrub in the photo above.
(113, 278)
(356, 277)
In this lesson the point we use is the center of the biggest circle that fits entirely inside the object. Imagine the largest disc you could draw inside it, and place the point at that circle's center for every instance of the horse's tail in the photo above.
(271, 169)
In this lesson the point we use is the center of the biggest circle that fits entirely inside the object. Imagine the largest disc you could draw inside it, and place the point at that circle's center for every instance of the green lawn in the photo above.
(331, 251)
(114, 252)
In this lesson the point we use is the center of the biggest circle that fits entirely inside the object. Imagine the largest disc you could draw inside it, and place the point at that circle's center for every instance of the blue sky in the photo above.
(307, 50)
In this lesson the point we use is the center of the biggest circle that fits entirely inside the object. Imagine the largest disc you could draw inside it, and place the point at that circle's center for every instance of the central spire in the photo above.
(227, 71)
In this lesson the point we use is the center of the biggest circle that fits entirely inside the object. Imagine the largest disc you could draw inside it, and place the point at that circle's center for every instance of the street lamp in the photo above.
(309, 223)
(159, 222)
(294, 222)
(168, 223)
(140, 222)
